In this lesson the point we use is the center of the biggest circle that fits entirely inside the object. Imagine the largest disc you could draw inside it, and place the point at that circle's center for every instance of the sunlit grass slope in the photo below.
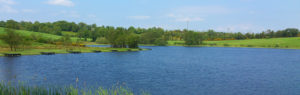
(292, 42)
(29, 33)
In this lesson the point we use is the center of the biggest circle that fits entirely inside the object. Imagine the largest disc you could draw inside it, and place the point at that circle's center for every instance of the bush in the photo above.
(226, 45)
(160, 42)
(42, 40)
(58, 33)
(277, 46)
(102, 40)
(212, 44)
(250, 46)
(34, 37)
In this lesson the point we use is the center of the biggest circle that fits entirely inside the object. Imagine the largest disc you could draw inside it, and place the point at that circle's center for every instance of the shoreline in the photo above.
(29, 52)
(226, 46)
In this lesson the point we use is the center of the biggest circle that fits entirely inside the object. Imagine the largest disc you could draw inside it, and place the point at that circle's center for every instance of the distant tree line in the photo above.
(121, 37)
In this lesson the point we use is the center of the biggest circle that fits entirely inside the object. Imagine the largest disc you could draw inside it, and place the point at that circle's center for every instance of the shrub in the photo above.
(226, 45)
(212, 44)
(160, 42)
(102, 40)
(42, 40)
(250, 46)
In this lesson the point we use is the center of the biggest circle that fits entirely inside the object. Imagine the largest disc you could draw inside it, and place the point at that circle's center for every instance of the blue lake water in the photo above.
(167, 70)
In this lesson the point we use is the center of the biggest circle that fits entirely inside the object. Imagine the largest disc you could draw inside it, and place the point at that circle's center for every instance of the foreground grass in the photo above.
(22, 89)
(289, 43)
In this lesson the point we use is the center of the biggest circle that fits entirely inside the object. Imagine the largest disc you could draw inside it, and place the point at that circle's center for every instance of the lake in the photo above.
(167, 70)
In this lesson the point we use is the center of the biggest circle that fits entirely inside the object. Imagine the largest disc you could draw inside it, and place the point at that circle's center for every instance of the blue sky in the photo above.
(220, 15)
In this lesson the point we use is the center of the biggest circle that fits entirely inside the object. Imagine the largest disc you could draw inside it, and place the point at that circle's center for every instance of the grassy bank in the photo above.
(22, 89)
(288, 43)
(62, 50)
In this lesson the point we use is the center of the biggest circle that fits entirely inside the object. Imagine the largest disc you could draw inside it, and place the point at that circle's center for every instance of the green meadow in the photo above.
(289, 43)
(45, 35)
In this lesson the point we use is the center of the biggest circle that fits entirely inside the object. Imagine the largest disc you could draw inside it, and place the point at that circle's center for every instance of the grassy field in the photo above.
(45, 35)
(290, 43)
(72, 34)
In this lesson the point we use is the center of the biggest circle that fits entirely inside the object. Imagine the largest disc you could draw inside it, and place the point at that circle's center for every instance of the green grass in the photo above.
(291, 43)
(72, 34)
(62, 50)
(175, 43)
(35, 48)
(23, 89)
(45, 35)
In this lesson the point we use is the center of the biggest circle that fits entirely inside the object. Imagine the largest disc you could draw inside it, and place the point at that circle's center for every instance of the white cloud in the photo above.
(7, 9)
(8, 2)
(92, 16)
(244, 28)
(196, 13)
(182, 18)
(139, 17)
(67, 3)
(202, 10)
(28, 11)
(6, 6)
(70, 14)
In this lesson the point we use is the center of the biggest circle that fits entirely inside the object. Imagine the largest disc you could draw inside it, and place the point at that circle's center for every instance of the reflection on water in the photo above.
(8, 69)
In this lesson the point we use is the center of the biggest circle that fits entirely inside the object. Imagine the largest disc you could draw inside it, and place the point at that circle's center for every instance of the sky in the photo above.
(220, 15)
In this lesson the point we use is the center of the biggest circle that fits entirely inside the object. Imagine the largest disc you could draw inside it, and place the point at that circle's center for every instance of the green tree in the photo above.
(12, 24)
(161, 42)
(102, 40)
(2, 24)
(192, 38)
(66, 39)
(133, 41)
(149, 36)
(94, 32)
(12, 38)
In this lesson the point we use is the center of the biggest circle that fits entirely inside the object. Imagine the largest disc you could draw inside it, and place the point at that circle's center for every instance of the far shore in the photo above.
(37, 51)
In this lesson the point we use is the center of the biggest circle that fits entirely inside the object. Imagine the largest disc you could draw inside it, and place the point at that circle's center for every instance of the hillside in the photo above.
(292, 42)
(44, 35)
(28, 33)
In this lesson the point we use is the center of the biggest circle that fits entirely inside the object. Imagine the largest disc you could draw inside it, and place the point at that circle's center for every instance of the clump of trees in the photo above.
(192, 38)
(102, 40)
(14, 39)
(154, 36)
(121, 38)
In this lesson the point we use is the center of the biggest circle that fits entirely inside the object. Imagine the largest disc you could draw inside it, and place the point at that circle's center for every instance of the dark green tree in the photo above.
(12, 38)
(192, 38)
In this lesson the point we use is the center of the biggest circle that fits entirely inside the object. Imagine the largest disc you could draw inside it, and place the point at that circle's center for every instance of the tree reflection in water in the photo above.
(8, 70)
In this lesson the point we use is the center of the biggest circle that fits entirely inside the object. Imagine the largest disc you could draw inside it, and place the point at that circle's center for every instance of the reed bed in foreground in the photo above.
(23, 89)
